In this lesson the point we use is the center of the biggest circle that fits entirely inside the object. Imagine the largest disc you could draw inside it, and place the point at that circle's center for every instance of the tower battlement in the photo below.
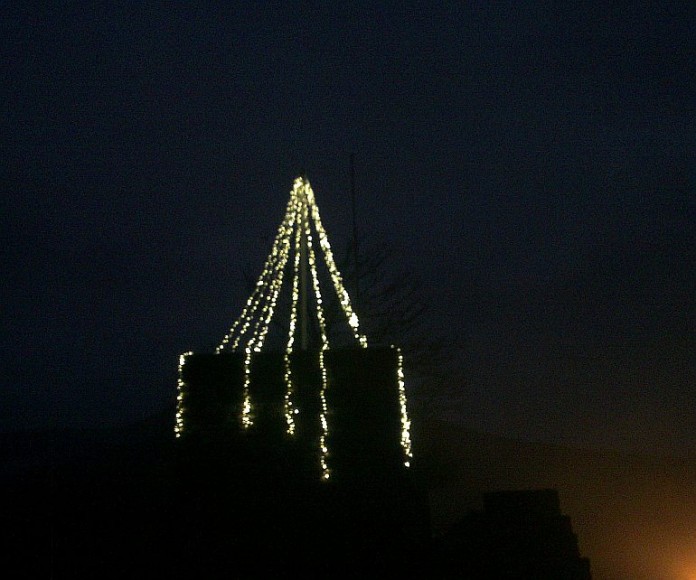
(364, 423)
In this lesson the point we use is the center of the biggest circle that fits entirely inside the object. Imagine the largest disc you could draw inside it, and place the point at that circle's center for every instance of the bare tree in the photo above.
(394, 309)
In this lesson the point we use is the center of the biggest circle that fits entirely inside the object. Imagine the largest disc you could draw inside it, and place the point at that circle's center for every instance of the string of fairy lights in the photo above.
(248, 332)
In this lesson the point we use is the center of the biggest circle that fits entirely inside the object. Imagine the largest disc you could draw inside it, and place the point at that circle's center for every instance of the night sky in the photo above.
(531, 163)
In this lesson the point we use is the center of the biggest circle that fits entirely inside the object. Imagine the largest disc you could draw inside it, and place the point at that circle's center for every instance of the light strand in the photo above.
(276, 285)
(253, 301)
(405, 421)
(289, 411)
(274, 272)
(180, 384)
(336, 278)
(258, 337)
(323, 449)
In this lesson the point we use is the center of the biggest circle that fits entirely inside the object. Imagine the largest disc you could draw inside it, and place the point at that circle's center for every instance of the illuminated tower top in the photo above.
(249, 331)
(294, 254)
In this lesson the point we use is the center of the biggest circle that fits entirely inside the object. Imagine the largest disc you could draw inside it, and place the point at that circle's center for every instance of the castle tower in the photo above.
(346, 405)
(318, 430)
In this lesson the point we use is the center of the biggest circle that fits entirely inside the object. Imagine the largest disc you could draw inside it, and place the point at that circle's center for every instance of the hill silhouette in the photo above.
(135, 502)
(633, 514)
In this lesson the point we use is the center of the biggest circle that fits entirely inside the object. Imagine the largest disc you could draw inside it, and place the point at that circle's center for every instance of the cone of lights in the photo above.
(292, 253)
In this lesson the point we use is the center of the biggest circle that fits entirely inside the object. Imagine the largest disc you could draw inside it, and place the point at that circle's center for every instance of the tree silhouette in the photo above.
(394, 309)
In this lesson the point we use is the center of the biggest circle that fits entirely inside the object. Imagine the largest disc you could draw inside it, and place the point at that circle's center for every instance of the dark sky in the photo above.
(532, 163)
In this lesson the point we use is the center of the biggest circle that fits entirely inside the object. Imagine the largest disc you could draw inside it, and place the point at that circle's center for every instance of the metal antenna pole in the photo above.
(356, 273)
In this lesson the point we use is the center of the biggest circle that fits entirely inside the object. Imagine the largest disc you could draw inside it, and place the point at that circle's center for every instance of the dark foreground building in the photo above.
(217, 507)
(520, 535)
(366, 519)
